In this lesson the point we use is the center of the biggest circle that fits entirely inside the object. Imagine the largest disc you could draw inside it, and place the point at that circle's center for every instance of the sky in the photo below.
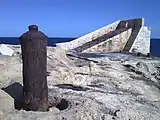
(74, 18)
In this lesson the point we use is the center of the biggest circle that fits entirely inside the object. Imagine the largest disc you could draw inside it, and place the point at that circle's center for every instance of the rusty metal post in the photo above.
(34, 57)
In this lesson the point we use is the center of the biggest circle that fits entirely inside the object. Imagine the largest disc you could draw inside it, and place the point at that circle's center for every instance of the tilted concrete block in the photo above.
(125, 35)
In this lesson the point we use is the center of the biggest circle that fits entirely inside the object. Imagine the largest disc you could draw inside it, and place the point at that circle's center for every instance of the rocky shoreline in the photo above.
(102, 87)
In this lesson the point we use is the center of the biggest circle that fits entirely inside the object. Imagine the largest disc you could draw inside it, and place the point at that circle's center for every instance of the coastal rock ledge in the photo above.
(110, 86)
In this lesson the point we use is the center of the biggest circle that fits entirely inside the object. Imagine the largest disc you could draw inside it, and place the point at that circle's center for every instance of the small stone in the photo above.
(54, 109)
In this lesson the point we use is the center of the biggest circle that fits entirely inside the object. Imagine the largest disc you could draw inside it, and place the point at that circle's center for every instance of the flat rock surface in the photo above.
(116, 87)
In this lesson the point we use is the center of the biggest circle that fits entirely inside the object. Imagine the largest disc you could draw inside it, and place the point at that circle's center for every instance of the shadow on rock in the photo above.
(73, 87)
(15, 90)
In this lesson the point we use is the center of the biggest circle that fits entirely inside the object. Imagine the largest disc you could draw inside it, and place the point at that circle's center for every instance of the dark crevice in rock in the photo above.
(73, 87)
(78, 73)
(63, 118)
(60, 104)
(96, 85)
(57, 101)
(78, 56)
(48, 73)
(64, 104)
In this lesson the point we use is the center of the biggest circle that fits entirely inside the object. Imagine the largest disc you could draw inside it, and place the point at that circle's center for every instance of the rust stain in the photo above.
(110, 44)
(120, 42)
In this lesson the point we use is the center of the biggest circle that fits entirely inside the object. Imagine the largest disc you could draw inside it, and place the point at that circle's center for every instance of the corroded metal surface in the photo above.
(34, 57)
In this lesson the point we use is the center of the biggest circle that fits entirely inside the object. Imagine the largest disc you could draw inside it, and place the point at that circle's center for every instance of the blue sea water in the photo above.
(155, 43)
(155, 47)
(15, 40)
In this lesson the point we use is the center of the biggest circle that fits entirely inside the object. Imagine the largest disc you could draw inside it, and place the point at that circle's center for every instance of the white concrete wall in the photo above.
(142, 42)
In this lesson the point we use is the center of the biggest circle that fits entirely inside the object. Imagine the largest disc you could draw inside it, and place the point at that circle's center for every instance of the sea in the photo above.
(154, 46)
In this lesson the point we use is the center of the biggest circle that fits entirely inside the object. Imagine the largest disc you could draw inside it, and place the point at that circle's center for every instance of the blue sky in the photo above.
(73, 18)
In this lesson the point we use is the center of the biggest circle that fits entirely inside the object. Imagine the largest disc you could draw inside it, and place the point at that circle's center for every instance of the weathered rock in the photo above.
(5, 50)
(6, 101)
(11, 69)
(54, 110)
(119, 86)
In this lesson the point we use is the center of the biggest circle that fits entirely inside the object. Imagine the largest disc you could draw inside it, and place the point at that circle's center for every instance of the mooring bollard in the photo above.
(34, 57)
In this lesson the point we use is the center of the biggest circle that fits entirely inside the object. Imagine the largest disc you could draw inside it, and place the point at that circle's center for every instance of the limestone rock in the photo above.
(11, 69)
(5, 50)
(118, 86)
(6, 101)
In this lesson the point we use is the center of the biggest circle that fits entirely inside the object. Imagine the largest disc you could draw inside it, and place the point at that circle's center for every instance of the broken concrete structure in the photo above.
(126, 35)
